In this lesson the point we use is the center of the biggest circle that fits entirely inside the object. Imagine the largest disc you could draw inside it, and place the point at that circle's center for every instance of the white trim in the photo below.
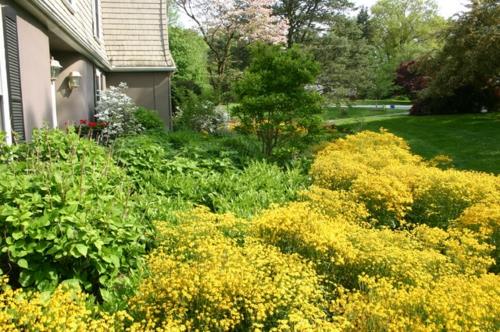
(70, 4)
(4, 88)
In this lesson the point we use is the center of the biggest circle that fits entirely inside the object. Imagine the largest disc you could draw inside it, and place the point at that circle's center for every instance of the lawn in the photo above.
(471, 140)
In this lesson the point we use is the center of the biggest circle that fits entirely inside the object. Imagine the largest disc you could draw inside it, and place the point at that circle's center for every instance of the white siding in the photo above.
(76, 21)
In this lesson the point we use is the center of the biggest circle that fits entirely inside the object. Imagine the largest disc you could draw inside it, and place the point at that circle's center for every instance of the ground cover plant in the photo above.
(382, 241)
(470, 140)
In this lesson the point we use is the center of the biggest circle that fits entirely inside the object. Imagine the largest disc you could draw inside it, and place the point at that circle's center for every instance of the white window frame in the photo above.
(71, 5)
(97, 19)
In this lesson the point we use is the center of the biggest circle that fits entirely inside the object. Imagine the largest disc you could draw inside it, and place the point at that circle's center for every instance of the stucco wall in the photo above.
(34, 59)
(74, 105)
(150, 90)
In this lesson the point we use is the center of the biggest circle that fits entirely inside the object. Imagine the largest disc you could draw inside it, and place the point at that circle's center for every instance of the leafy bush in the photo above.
(117, 110)
(274, 102)
(199, 113)
(149, 119)
(138, 155)
(68, 216)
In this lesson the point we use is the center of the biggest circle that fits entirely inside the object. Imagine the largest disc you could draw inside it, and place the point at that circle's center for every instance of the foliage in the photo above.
(465, 73)
(454, 303)
(324, 262)
(405, 28)
(223, 23)
(199, 113)
(67, 216)
(191, 57)
(410, 79)
(203, 278)
(138, 155)
(346, 59)
(305, 18)
(397, 186)
(117, 110)
(148, 119)
(274, 102)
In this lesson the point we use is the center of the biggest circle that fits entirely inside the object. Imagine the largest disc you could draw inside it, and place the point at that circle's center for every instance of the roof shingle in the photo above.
(136, 34)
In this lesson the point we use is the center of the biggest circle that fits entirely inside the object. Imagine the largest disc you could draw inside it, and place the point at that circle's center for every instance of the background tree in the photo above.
(404, 29)
(465, 75)
(224, 22)
(363, 20)
(306, 17)
(274, 101)
(346, 59)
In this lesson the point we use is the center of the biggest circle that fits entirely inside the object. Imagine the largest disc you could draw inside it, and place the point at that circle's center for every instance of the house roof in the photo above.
(136, 35)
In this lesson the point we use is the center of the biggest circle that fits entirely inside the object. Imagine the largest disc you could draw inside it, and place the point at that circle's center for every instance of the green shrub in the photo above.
(138, 155)
(67, 215)
(149, 119)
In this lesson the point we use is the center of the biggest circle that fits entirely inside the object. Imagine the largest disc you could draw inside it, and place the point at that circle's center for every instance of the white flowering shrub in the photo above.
(215, 121)
(199, 113)
(117, 110)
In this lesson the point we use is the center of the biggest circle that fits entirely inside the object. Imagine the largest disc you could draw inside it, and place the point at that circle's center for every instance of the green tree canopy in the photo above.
(274, 101)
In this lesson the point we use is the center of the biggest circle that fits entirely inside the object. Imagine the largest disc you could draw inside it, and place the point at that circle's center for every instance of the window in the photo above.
(70, 4)
(96, 18)
(99, 84)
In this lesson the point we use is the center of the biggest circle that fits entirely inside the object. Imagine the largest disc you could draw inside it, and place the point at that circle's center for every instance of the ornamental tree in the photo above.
(224, 22)
(274, 101)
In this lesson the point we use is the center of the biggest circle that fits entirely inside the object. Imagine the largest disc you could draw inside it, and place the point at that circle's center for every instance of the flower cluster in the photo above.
(358, 252)
(117, 110)
(397, 186)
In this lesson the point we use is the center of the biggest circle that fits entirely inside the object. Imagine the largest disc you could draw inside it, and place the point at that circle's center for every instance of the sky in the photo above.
(447, 8)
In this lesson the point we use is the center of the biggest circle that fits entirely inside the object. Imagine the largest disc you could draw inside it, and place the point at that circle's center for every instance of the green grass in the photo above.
(472, 140)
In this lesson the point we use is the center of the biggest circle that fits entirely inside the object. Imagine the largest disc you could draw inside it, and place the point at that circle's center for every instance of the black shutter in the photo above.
(13, 71)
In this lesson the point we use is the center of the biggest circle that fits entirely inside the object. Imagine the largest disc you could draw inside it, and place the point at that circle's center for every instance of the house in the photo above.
(97, 43)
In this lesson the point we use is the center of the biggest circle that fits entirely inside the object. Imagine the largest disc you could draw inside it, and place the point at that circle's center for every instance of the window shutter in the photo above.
(13, 71)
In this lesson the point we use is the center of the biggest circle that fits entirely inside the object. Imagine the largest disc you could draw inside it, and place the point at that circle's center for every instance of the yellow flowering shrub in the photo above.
(442, 195)
(337, 204)
(397, 186)
(453, 303)
(64, 310)
(484, 218)
(342, 161)
(207, 281)
(343, 250)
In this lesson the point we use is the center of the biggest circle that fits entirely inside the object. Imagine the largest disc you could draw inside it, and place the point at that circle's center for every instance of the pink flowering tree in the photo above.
(222, 23)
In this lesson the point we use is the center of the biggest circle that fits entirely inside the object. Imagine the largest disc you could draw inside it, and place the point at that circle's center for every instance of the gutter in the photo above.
(142, 69)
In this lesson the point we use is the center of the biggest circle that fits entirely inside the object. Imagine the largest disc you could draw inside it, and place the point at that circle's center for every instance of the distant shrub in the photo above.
(149, 119)
(199, 113)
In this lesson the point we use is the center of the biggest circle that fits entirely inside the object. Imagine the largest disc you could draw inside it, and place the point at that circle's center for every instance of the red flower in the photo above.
(92, 124)
(83, 121)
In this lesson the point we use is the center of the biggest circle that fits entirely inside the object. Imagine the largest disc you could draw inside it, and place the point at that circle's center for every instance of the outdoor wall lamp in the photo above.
(55, 69)
(74, 80)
